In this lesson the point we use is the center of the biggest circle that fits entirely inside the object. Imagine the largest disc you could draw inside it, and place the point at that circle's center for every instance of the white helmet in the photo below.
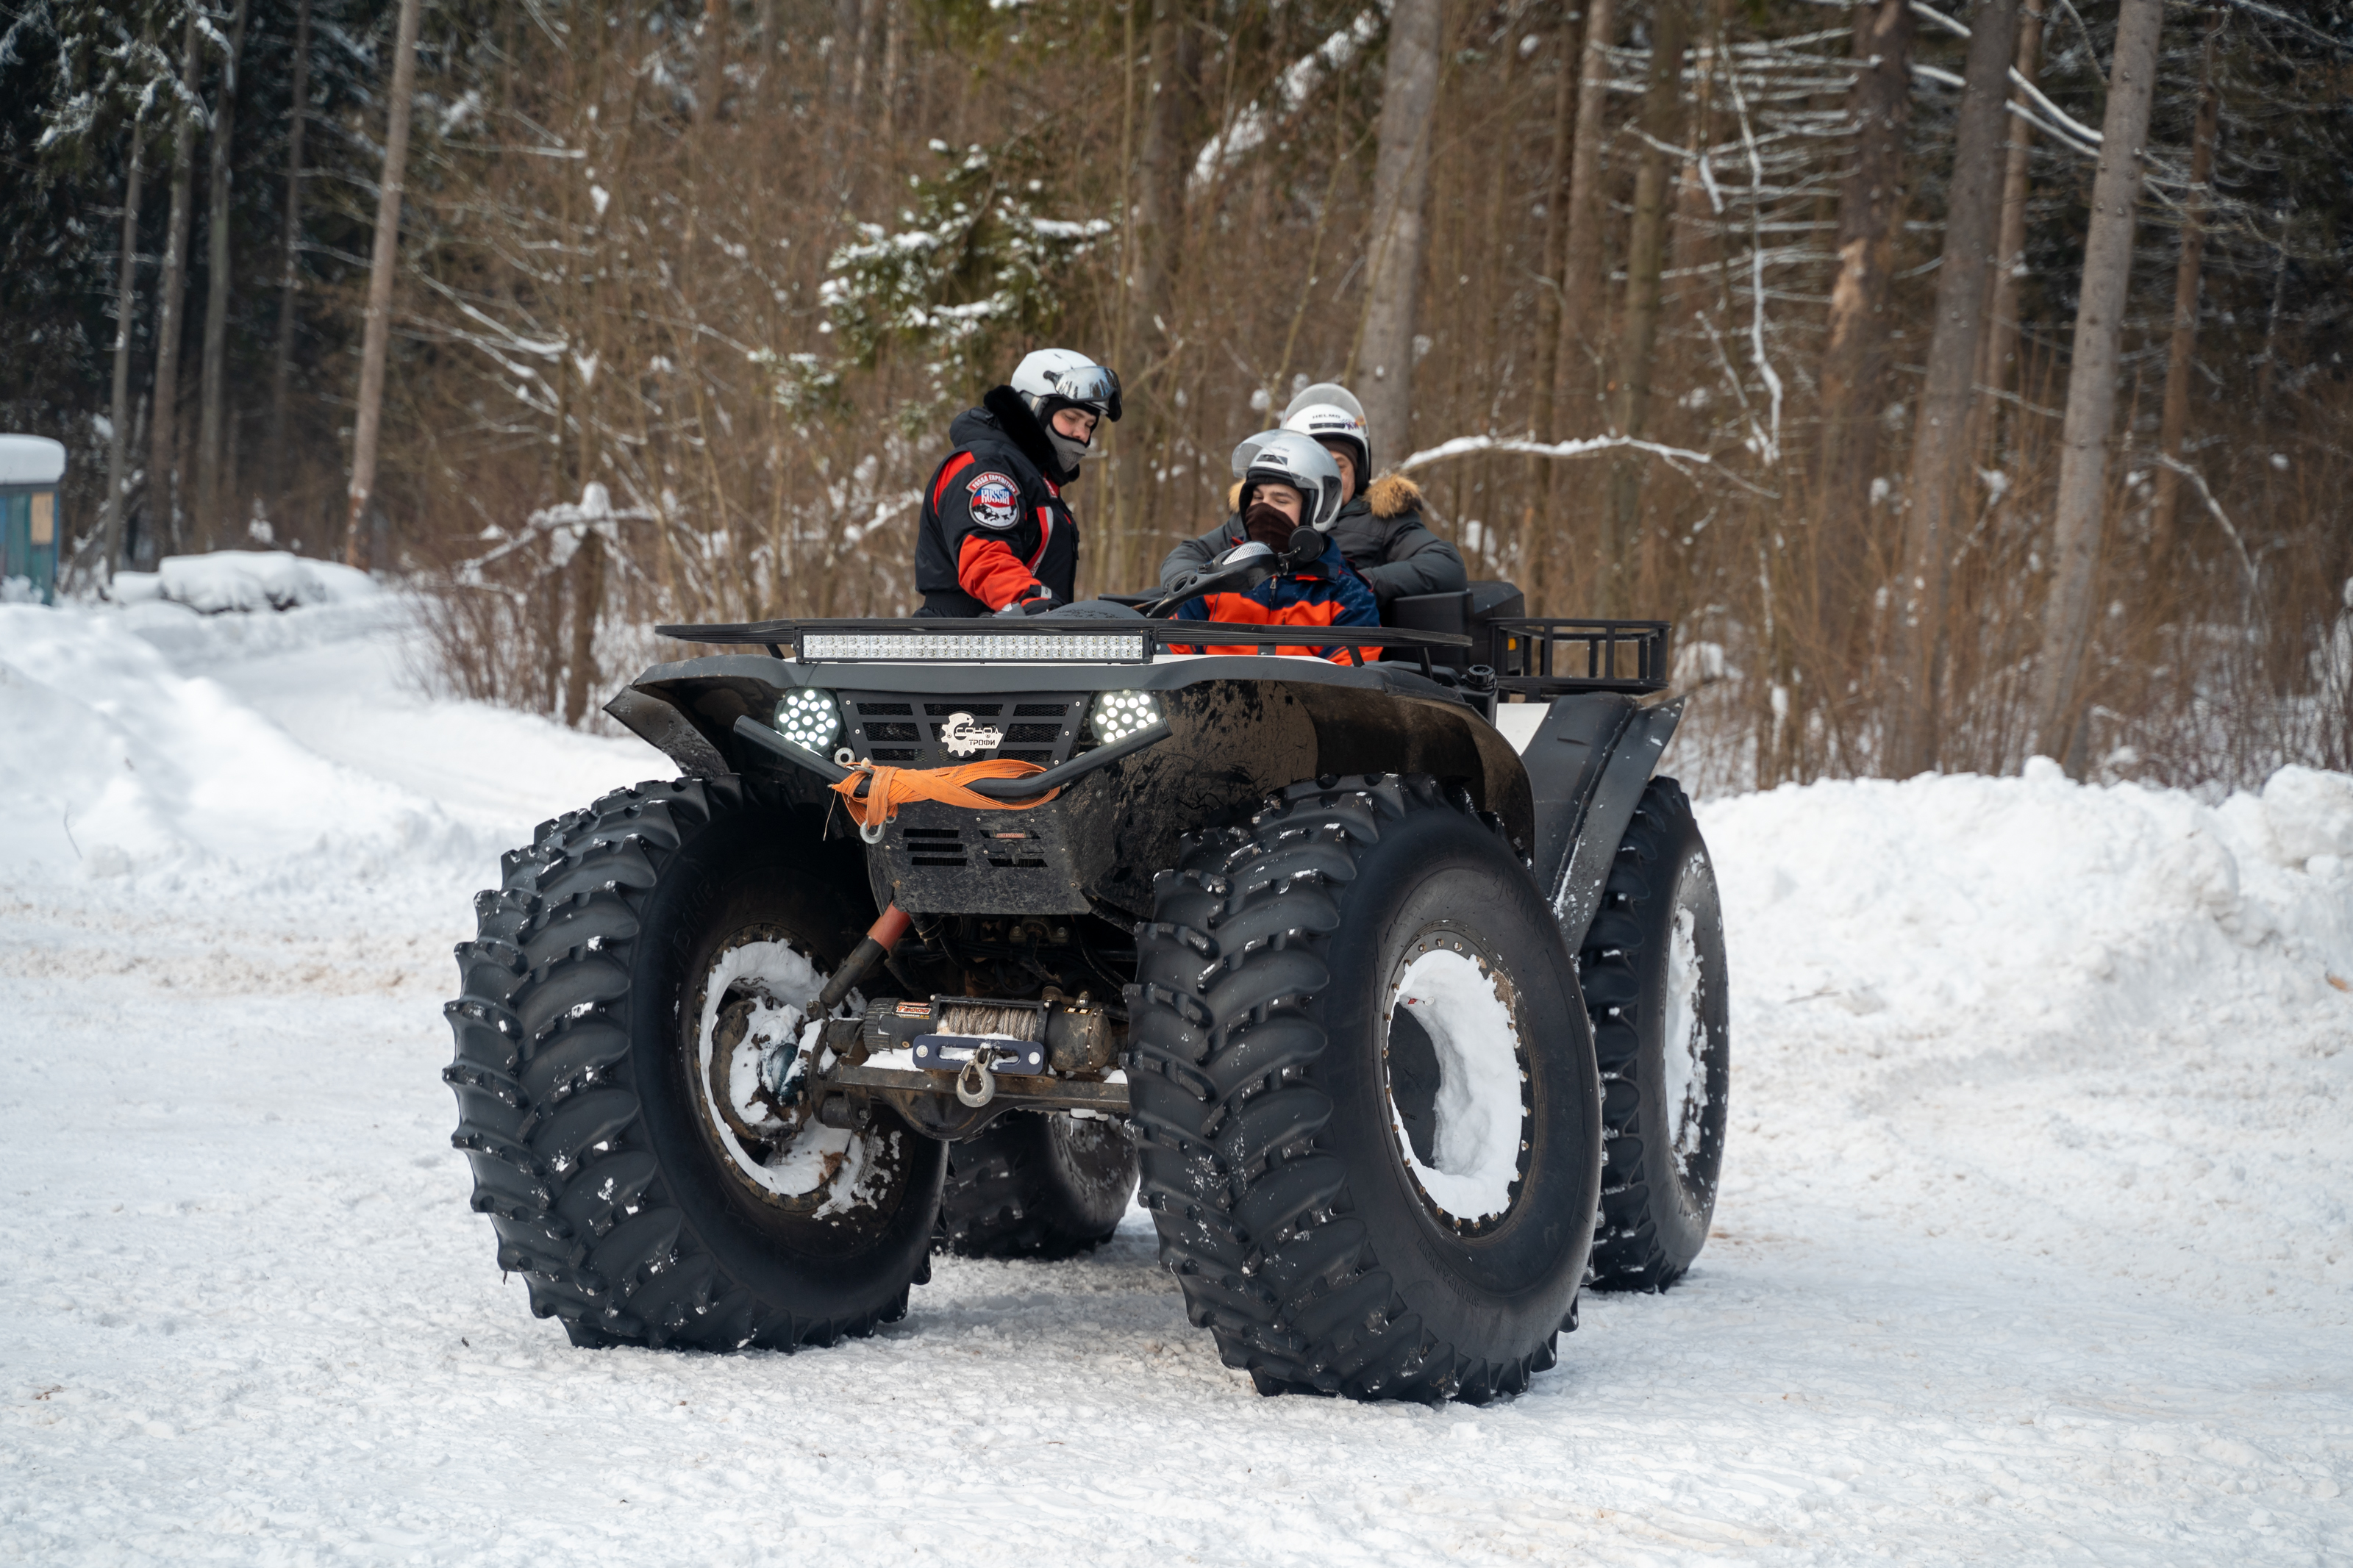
(1049, 379)
(1329, 391)
(1288, 457)
(1336, 421)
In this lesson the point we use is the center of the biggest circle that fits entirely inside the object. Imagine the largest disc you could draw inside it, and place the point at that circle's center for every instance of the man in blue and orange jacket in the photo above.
(1290, 485)
(997, 538)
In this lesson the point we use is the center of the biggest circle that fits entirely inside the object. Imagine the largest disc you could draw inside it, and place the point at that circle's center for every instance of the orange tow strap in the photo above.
(887, 789)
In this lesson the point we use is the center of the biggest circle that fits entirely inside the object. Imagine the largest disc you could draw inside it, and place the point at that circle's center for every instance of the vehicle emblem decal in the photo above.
(961, 736)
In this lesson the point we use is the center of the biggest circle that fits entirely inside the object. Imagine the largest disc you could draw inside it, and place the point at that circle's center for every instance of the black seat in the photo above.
(1465, 613)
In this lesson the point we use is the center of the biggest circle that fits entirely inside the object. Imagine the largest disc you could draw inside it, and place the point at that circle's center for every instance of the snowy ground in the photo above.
(2033, 1244)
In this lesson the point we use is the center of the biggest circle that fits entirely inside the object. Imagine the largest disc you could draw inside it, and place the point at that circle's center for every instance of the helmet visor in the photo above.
(1094, 386)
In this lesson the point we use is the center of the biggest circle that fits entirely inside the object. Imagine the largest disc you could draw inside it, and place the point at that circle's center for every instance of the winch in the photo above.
(992, 1052)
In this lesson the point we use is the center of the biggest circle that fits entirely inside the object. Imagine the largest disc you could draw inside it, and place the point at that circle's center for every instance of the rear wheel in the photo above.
(1036, 1185)
(1654, 985)
(629, 1049)
(1365, 1096)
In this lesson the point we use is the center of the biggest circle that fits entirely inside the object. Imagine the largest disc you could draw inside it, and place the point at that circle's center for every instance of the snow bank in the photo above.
(119, 765)
(245, 580)
(123, 765)
(2084, 905)
(2130, 1003)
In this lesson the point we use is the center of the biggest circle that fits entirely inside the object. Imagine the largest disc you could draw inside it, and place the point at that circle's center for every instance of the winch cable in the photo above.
(875, 792)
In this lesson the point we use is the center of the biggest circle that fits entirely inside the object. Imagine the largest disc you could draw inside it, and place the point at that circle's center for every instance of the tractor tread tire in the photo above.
(546, 1101)
(1003, 1200)
(1630, 1254)
(1248, 1201)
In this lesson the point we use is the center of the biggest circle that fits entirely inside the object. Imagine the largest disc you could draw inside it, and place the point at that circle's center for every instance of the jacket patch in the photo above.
(996, 499)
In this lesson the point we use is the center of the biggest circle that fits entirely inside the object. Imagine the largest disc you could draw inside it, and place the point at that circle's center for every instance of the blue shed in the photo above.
(30, 469)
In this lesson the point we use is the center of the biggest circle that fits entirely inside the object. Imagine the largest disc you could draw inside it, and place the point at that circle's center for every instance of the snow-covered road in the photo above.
(2033, 1247)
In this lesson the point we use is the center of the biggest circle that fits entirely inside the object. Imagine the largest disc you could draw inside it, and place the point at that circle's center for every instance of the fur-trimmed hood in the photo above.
(1393, 495)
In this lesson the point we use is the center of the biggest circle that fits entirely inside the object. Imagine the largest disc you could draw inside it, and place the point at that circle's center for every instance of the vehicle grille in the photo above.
(1040, 728)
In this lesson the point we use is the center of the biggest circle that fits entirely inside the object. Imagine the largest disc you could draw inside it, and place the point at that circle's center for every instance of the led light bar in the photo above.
(975, 647)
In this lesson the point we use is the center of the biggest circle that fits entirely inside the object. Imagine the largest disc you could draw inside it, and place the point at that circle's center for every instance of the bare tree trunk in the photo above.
(865, 47)
(1581, 275)
(714, 62)
(1535, 521)
(1399, 238)
(163, 487)
(1112, 572)
(887, 85)
(1151, 337)
(2076, 510)
(1854, 362)
(214, 374)
(2174, 425)
(376, 338)
(126, 301)
(587, 575)
(843, 49)
(1692, 228)
(282, 363)
(1646, 248)
(1555, 232)
(1940, 433)
(764, 28)
(2000, 368)
(1160, 181)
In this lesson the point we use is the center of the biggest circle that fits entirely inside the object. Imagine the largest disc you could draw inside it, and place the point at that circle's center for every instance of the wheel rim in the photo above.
(1454, 1068)
(1684, 1042)
(750, 1024)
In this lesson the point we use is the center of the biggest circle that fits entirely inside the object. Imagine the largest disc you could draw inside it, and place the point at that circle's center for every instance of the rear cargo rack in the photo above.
(1549, 658)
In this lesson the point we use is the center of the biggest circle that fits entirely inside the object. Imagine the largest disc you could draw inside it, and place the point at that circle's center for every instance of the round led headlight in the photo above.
(808, 718)
(1116, 715)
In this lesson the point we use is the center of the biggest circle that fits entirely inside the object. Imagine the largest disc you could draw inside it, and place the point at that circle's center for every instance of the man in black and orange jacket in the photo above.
(997, 538)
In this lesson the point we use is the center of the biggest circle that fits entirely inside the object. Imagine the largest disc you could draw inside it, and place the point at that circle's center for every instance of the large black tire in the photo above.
(1654, 985)
(1270, 1114)
(595, 1150)
(1034, 1185)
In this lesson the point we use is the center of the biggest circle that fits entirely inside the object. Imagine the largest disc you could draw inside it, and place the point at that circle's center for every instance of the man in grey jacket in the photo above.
(1380, 528)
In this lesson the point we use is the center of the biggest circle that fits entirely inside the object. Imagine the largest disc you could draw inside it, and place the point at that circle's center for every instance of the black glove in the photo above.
(1042, 602)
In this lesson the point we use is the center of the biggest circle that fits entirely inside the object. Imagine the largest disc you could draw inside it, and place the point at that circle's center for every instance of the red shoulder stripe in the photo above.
(949, 471)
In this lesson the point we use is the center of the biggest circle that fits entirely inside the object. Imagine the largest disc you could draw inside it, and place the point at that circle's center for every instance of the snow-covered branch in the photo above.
(1465, 446)
(1251, 126)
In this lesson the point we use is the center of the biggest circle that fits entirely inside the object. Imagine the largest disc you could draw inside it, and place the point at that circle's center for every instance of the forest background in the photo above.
(1965, 381)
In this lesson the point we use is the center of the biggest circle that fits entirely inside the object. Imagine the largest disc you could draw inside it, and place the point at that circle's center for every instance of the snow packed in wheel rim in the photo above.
(1684, 1038)
(1476, 1125)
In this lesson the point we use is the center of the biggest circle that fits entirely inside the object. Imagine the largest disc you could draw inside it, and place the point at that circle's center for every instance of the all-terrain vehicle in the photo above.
(1400, 978)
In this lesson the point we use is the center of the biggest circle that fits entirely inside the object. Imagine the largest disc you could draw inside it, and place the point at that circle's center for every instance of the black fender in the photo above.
(660, 723)
(1586, 767)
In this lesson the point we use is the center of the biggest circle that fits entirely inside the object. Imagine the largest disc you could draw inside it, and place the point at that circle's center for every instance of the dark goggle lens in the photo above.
(1096, 386)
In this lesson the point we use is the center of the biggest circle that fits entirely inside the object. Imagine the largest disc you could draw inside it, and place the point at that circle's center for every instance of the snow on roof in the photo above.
(31, 460)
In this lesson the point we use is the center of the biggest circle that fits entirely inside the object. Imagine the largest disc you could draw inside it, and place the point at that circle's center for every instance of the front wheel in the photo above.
(629, 1054)
(1365, 1096)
